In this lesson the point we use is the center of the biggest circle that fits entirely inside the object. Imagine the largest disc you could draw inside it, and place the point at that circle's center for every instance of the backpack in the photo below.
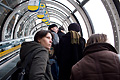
(19, 74)
(20, 71)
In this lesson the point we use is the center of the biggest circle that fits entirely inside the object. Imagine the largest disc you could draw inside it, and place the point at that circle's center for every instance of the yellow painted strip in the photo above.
(40, 16)
(9, 50)
(33, 8)
(46, 12)
(44, 20)
(48, 24)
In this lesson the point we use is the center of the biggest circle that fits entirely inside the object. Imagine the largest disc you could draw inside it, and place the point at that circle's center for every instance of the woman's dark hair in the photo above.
(40, 34)
(97, 38)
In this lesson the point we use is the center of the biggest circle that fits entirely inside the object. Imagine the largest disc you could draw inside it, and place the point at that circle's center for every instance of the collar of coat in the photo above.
(98, 47)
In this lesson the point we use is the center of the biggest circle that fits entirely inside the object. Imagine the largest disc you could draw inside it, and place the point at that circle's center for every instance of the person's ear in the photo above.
(39, 40)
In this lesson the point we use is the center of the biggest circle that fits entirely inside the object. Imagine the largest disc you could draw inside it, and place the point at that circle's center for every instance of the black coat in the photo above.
(60, 34)
(68, 55)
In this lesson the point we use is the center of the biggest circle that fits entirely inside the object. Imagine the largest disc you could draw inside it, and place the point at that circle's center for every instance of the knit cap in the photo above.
(51, 26)
(74, 27)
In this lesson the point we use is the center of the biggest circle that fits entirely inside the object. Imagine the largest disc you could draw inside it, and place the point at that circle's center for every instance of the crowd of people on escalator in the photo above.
(68, 56)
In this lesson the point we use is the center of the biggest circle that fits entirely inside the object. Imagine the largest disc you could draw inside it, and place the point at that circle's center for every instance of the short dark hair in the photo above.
(97, 38)
(51, 26)
(40, 34)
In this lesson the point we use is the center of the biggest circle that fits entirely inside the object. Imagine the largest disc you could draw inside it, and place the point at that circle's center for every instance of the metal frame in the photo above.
(10, 17)
(115, 21)
(57, 12)
(66, 10)
(23, 5)
(5, 6)
(84, 16)
(109, 5)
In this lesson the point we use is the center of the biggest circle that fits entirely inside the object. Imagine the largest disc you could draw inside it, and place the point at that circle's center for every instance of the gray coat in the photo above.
(56, 38)
(39, 68)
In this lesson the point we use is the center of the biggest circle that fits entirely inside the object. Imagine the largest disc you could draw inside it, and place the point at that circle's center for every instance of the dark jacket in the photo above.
(38, 68)
(60, 34)
(99, 63)
(68, 55)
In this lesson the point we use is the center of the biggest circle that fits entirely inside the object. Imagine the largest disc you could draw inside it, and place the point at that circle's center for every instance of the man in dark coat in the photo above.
(71, 47)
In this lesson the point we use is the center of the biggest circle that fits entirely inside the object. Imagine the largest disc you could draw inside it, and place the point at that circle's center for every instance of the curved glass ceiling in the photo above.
(92, 15)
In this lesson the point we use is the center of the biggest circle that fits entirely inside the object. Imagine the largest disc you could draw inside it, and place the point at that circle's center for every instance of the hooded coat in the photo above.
(38, 68)
(99, 63)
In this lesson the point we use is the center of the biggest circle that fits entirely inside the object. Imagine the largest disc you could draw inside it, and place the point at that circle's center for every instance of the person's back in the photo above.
(70, 51)
(100, 61)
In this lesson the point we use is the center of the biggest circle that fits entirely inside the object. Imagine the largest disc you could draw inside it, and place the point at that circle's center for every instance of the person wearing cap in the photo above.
(54, 30)
(54, 66)
(71, 46)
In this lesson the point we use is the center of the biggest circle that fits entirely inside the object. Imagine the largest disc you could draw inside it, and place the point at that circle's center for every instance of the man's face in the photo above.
(55, 29)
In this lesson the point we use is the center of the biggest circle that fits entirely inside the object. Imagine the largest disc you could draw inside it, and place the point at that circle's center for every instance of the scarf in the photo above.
(74, 37)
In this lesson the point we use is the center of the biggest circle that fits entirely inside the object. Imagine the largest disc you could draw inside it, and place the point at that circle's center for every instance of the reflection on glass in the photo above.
(100, 18)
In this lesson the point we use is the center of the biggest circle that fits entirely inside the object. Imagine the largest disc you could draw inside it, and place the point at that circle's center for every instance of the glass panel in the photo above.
(100, 18)
(71, 20)
(52, 19)
(38, 21)
(80, 0)
(56, 8)
(66, 3)
(83, 26)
